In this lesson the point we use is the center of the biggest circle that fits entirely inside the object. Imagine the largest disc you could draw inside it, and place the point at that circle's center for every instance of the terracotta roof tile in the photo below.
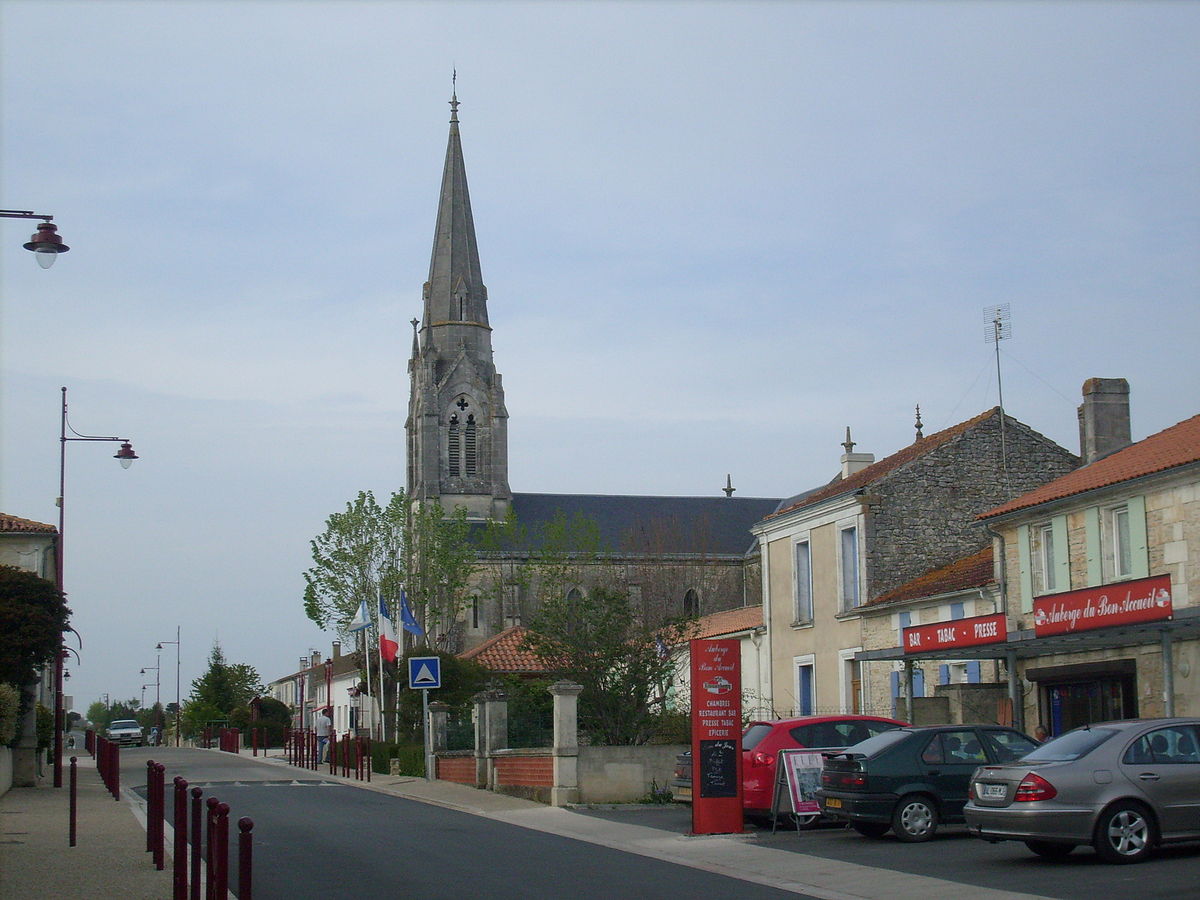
(974, 571)
(505, 652)
(17, 525)
(1173, 447)
(875, 471)
(730, 621)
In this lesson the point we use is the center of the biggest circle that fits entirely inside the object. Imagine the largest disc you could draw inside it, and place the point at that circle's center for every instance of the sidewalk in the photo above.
(109, 859)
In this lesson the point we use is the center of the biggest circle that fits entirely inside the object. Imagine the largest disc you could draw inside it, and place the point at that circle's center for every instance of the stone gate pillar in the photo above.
(491, 734)
(566, 743)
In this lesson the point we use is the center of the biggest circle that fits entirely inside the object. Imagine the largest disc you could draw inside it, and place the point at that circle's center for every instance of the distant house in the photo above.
(744, 625)
(506, 654)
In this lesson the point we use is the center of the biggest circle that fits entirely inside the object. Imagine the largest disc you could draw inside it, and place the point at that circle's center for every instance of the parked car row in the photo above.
(1123, 788)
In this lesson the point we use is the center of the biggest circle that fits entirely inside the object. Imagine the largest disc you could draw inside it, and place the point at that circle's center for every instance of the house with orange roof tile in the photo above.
(746, 626)
(830, 553)
(1101, 574)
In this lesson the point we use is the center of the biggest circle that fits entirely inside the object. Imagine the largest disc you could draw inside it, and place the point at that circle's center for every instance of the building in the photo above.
(333, 683)
(673, 554)
(1101, 574)
(832, 551)
(744, 625)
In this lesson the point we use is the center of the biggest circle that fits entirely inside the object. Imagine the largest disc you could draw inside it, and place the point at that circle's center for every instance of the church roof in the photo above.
(702, 526)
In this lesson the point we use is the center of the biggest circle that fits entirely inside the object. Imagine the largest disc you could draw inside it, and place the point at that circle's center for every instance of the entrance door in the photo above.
(1075, 703)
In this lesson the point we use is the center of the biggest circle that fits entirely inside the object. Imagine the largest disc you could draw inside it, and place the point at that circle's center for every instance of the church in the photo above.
(674, 555)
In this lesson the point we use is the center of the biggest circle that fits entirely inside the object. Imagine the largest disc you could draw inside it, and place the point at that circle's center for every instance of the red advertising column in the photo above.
(716, 737)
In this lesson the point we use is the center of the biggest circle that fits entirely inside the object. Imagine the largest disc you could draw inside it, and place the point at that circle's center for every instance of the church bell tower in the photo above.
(457, 427)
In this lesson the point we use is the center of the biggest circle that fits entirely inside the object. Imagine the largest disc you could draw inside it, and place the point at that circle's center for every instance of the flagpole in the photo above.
(366, 665)
(379, 651)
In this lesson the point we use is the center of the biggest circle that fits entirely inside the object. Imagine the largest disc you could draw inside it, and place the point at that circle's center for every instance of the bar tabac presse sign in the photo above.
(971, 632)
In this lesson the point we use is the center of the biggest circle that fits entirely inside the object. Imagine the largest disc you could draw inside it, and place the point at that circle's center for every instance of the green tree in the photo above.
(595, 638)
(461, 680)
(33, 617)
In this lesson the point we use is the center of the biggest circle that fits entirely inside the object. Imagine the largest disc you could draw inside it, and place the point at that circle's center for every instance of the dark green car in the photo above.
(912, 779)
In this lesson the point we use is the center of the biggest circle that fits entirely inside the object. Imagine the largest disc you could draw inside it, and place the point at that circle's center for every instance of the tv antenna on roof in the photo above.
(999, 328)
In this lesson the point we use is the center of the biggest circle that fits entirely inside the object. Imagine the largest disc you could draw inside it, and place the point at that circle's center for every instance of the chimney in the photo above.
(1103, 418)
(316, 659)
(854, 462)
(337, 649)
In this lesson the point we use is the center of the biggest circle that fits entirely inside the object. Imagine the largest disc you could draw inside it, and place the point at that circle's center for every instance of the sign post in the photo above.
(716, 737)
(424, 674)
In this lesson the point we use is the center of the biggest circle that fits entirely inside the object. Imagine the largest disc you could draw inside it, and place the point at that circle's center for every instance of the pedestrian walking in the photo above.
(322, 727)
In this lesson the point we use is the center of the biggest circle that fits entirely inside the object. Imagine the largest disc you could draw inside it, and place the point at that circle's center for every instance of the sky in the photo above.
(714, 235)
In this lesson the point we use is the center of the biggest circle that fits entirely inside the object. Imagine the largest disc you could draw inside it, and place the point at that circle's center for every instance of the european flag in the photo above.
(406, 616)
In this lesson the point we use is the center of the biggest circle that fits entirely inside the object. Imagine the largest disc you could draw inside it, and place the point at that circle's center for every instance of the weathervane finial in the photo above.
(920, 433)
(454, 94)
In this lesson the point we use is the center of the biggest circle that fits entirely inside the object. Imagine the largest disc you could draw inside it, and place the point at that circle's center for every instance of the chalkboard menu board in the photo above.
(718, 768)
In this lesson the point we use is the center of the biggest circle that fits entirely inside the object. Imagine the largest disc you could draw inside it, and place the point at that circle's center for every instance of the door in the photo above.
(1165, 765)
(948, 761)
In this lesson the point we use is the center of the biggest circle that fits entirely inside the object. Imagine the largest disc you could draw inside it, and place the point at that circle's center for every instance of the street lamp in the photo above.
(125, 456)
(178, 701)
(45, 241)
(157, 696)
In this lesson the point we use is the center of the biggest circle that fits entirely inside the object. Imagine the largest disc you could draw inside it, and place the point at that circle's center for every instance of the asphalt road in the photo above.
(954, 855)
(318, 839)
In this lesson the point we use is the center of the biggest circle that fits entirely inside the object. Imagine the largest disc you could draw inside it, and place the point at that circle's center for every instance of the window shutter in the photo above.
(973, 671)
(944, 673)
(1091, 523)
(918, 683)
(957, 611)
(1139, 546)
(894, 678)
(1026, 563)
(1062, 554)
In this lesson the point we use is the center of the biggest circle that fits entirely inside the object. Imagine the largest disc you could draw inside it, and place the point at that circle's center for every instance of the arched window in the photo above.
(452, 446)
(470, 446)
(691, 604)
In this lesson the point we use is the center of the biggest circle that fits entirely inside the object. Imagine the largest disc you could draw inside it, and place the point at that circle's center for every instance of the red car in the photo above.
(762, 741)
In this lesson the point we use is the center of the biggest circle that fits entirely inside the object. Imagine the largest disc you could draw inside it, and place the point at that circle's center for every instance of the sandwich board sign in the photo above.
(424, 672)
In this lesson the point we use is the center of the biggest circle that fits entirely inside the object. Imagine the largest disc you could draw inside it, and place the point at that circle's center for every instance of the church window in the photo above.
(471, 462)
(452, 445)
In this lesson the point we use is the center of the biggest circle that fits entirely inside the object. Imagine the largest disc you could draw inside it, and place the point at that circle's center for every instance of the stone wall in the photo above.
(625, 774)
(5, 770)
(925, 514)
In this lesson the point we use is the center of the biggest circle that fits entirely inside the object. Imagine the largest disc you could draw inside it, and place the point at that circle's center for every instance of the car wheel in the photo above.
(871, 829)
(1049, 849)
(1124, 834)
(915, 819)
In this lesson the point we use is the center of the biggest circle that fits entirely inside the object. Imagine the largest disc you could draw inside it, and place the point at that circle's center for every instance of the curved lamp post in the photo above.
(45, 242)
(125, 456)
(177, 699)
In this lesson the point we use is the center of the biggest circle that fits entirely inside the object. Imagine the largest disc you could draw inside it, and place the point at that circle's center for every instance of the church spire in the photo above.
(455, 295)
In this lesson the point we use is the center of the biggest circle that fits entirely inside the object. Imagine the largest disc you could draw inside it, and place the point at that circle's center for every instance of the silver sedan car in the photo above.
(1122, 787)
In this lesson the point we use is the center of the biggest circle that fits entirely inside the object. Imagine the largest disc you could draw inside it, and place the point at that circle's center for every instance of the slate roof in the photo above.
(1176, 446)
(17, 525)
(974, 571)
(505, 652)
(875, 471)
(701, 526)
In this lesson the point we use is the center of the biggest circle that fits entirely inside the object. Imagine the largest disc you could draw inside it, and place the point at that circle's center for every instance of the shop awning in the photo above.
(1025, 645)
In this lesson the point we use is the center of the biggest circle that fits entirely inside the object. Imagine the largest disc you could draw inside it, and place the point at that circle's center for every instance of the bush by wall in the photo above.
(411, 756)
(10, 702)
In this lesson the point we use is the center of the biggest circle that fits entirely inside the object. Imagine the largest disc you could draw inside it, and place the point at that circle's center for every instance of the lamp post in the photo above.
(178, 701)
(45, 241)
(126, 456)
(157, 682)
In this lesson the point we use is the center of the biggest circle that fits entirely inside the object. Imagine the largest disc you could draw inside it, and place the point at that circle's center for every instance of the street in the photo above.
(318, 838)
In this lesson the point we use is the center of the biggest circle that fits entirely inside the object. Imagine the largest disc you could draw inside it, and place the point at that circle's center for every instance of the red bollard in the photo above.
(221, 891)
(149, 805)
(74, 787)
(197, 837)
(179, 848)
(358, 759)
(245, 859)
(254, 740)
(210, 861)
(160, 820)
(114, 767)
(369, 757)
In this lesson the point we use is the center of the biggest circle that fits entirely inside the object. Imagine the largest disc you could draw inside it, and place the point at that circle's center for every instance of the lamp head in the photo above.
(46, 244)
(126, 456)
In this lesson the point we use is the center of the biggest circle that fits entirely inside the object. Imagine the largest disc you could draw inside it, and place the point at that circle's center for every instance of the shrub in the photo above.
(45, 727)
(10, 702)
(411, 756)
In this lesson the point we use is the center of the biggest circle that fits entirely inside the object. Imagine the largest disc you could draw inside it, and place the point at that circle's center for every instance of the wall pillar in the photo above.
(491, 734)
(566, 743)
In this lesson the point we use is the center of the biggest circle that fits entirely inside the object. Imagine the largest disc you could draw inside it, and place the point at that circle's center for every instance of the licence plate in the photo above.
(990, 791)
(833, 803)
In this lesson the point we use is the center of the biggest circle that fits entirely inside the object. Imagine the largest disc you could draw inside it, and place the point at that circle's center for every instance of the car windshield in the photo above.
(124, 723)
(838, 734)
(1070, 746)
(879, 743)
(754, 734)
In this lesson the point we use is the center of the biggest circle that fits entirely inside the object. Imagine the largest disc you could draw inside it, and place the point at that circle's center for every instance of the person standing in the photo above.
(322, 728)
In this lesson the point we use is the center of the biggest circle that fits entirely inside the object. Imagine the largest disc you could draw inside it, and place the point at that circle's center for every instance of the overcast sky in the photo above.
(713, 236)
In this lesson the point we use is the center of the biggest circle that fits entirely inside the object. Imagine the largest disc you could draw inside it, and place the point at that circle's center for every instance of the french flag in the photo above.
(389, 644)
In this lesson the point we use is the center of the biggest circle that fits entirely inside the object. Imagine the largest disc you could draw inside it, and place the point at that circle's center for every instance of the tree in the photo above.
(222, 688)
(596, 638)
(33, 617)
(371, 551)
